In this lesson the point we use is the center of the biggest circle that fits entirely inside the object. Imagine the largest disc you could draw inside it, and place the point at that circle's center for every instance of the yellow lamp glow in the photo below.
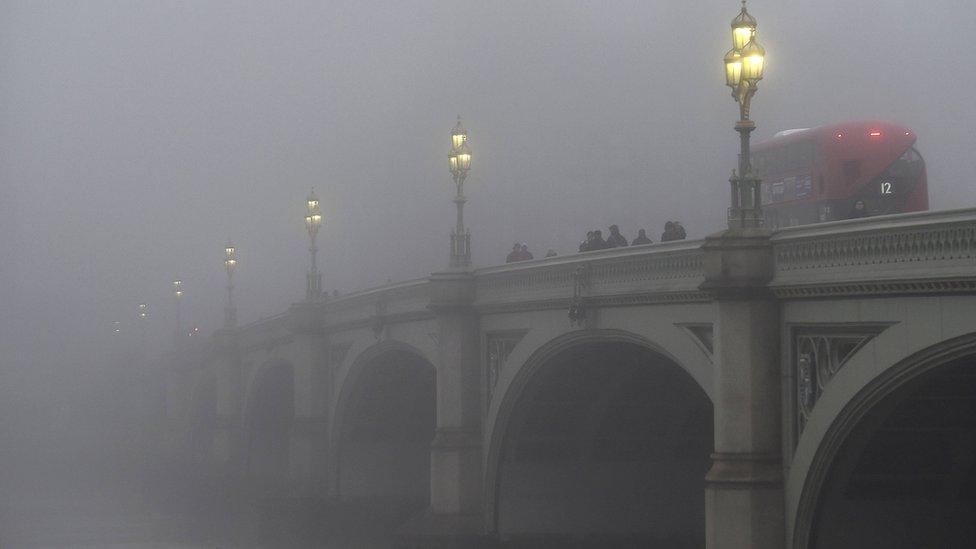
(464, 159)
(733, 68)
(452, 160)
(458, 135)
(753, 61)
(743, 28)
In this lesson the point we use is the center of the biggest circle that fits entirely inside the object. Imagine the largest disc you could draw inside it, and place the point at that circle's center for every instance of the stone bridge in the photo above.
(796, 388)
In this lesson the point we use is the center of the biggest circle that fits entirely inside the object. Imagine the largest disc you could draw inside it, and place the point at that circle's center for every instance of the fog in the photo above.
(136, 138)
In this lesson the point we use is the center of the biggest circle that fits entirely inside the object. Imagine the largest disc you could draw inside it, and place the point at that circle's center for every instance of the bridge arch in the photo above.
(383, 423)
(903, 446)
(269, 411)
(599, 383)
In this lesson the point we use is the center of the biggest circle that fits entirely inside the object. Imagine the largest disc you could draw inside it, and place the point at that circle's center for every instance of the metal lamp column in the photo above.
(459, 161)
(230, 263)
(178, 297)
(313, 220)
(743, 71)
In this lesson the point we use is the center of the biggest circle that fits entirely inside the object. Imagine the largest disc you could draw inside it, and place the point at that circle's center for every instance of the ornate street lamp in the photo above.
(459, 162)
(230, 263)
(177, 296)
(313, 220)
(744, 65)
(143, 321)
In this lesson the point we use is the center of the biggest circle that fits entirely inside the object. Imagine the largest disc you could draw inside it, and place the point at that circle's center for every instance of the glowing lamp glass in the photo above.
(464, 160)
(753, 61)
(452, 161)
(316, 219)
(741, 36)
(458, 139)
(733, 69)
(743, 28)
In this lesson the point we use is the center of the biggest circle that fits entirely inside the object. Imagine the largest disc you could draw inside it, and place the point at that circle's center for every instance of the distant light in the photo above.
(908, 133)
(875, 133)
(839, 135)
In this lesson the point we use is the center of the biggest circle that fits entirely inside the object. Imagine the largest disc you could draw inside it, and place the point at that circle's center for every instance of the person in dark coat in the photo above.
(860, 210)
(598, 243)
(641, 239)
(514, 254)
(679, 231)
(585, 245)
(668, 234)
(524, 253)
(616, 240)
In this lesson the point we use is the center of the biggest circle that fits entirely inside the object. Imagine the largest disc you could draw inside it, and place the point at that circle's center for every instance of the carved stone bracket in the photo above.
(819, 353)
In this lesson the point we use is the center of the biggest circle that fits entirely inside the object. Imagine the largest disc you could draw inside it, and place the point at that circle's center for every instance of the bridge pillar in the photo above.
(230, 400)
(456, 497)
(744, 487)
(308, 444)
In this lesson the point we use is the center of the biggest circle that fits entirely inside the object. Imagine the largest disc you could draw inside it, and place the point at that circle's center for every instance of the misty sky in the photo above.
(136, 137)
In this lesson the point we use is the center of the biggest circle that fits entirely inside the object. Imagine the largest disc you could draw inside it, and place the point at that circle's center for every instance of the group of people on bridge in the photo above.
(594, 241)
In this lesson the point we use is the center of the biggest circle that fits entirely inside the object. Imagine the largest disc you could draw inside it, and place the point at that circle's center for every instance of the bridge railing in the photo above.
(927, 252)
(403, 298)
(639, 274)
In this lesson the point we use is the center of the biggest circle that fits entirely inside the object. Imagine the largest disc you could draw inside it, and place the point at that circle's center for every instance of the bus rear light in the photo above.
(875, 133)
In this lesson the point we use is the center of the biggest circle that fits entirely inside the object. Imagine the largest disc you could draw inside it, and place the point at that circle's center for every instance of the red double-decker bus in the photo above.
(817, 174)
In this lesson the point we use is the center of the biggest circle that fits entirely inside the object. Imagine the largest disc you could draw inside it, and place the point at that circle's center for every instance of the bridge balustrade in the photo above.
(927, 252)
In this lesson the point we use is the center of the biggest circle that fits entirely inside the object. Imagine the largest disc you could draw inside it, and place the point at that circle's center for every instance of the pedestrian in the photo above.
(550, 253)
(514, 254)
(679, 231)
(525, 254)
(641, 239)
(598, 242)
(585, 244)
(668, 234)
(616, 240)
(860, 210)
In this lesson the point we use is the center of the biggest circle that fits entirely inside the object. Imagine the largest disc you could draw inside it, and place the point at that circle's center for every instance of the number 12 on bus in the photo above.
(820, 174)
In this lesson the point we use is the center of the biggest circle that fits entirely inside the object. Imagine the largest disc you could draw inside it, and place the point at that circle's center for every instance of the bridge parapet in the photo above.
(403, 299)
(929, 252)
(642, 274)
(264, 332)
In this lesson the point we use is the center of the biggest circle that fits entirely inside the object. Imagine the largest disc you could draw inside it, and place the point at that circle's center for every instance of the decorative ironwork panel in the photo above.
(498, 345)
(819, 353)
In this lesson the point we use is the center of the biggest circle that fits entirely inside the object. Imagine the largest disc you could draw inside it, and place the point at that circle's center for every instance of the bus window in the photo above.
(803, 186)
